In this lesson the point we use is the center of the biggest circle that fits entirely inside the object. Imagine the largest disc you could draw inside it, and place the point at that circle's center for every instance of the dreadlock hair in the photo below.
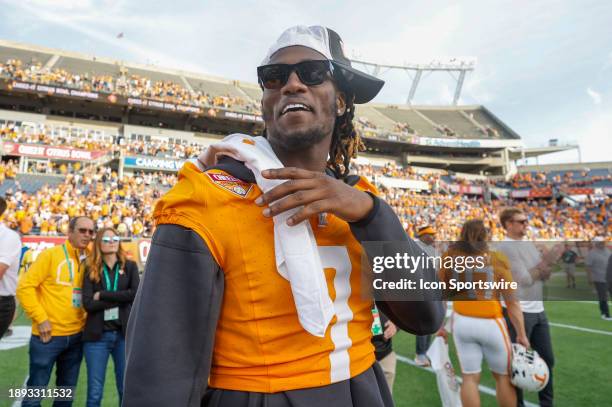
(346, 142)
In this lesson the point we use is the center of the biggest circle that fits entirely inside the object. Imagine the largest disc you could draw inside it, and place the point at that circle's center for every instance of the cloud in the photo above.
(591, 131)
(608, 64)
(102, 23)
(595, 96)
(424, 41)
(527, 60)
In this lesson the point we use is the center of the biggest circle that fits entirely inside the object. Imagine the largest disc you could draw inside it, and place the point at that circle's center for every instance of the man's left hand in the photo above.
(316, 193)
(390, 330)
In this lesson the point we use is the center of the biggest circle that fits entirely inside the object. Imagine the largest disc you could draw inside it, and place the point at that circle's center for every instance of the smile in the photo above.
(295, 107)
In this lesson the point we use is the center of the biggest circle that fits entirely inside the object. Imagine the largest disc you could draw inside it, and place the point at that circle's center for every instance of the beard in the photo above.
(293, 141)
(300, 140)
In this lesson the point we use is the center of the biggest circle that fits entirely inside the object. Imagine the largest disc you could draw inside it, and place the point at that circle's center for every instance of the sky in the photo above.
(543, 67)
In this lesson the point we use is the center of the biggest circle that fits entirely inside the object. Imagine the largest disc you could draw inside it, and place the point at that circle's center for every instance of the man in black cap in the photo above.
(222, 317)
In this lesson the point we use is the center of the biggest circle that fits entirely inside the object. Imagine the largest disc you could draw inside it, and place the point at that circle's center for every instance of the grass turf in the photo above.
(582, 373)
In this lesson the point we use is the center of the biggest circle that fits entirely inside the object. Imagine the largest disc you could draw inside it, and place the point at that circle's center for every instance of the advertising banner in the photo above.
(50, 152)
(112, 98)
(150, 163)
(403, 183)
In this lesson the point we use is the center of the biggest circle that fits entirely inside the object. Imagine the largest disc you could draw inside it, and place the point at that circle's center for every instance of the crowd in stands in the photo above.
(392, 170)
(34, 72)
(400, 131)
(96, 140)
(123, 203)
(133, 85)
(401, 127)
(363, 122)
(548, 219)
(125, 84)
(542, 180)
(43, 134)
(126, 203)
(445, 130)
(8, 170)
(489, 131)
(163, 149)
(77, 137)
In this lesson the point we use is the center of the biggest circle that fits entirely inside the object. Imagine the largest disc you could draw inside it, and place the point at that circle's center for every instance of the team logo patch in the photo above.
(230, 183)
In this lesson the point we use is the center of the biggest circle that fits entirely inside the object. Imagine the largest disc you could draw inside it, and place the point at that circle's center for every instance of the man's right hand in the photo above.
(545, 274)
(552, 255)
(443, 333)
(522, 339)
(44, 330)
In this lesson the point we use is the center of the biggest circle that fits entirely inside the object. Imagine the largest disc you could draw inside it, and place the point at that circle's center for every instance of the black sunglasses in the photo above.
(83, 231)
(311, 73)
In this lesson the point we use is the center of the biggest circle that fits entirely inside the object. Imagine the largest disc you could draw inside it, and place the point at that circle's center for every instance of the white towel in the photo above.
(297, 255)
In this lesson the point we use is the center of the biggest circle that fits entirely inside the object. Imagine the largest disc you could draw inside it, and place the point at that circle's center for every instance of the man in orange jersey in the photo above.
(478, 325)
(217, 322)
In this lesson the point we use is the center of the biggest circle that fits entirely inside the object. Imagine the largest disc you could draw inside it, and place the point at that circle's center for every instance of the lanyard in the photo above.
(108, 285)
(68, 261)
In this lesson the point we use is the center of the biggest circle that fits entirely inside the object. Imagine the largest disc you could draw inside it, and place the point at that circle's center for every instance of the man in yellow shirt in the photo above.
(50, 293)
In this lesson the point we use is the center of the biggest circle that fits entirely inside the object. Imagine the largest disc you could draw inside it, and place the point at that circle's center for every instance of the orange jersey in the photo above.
(260, 345)
(482, 303)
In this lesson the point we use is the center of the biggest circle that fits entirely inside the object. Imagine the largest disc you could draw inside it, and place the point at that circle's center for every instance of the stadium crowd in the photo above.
(549, 219)
(83, 138)
(124, 84)
(126, 203)
(392, 170)
(122, 203)
(8, 170)
(76, 137)
(129, 204)
(164, 149)
(541, 179)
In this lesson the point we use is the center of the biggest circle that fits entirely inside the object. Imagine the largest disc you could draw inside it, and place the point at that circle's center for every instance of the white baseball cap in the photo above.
(328, 43)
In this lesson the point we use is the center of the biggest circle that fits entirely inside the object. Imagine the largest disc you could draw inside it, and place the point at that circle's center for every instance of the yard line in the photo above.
(17, 403)
(482, 388)
(579, 328)
(561, 299)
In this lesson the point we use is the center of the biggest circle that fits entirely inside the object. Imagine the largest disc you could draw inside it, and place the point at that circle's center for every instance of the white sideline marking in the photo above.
(579, 328)
(561, 299)
(17, 403)
(20, 337)
(482, 388)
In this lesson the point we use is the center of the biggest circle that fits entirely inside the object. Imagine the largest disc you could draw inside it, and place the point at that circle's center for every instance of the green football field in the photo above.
(582, 344)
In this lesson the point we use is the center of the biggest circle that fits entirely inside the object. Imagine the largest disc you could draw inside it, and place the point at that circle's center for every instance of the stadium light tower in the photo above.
(461, 65)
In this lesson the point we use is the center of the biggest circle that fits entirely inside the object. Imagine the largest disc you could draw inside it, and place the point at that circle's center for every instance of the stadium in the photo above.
(89, 136)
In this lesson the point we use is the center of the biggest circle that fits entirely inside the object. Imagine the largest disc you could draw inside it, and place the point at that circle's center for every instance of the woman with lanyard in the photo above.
(109, 287)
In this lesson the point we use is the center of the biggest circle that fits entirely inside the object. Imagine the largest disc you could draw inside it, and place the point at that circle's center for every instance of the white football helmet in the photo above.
(529, 371)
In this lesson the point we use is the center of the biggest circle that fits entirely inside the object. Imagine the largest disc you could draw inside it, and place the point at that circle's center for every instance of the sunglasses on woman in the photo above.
(108, 239)
(311, 73)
